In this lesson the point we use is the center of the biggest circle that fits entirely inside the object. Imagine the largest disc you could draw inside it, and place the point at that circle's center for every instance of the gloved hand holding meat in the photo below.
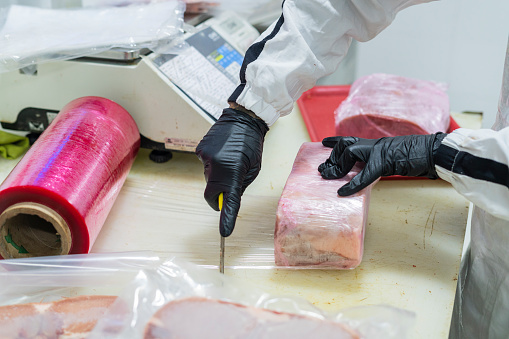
(231, 153)
(411, 155)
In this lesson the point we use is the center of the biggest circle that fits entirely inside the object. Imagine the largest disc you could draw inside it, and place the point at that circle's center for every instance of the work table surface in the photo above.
(412, 248)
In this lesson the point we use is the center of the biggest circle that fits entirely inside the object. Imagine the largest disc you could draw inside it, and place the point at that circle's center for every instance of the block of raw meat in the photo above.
(66, 318)
(197, 317)
(385, 105)
(314, 226)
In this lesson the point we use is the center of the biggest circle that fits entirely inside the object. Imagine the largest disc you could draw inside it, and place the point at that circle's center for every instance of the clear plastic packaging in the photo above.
(386, 105)
(259, 13)
(65, 318)
(32, 35)
(63, 296)
(45, 279)
(167, 206)
(314, 226)
(119, 293)
(176, 280)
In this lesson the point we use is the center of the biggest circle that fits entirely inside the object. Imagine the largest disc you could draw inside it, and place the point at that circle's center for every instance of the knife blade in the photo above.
(221, 244)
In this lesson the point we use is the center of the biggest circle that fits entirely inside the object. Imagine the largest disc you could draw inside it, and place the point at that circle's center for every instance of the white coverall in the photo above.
(481, 308)
(308, 42)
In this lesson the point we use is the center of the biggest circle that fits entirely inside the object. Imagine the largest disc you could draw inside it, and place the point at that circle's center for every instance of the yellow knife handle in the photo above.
(221, 251)
(220, 201)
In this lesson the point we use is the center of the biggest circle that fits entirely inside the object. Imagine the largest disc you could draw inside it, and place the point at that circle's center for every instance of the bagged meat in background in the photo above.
(385, 105)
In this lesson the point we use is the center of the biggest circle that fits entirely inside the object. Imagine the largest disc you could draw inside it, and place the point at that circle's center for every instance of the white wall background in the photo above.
(459, 42)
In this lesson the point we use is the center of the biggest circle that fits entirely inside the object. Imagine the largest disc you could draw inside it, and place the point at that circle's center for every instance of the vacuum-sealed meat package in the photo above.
(198, 317)
(385, 105)
(66, 318)
(178, 299)
(314, 226)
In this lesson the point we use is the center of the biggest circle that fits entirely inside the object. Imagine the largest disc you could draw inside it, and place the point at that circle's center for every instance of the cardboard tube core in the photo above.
(30, 229)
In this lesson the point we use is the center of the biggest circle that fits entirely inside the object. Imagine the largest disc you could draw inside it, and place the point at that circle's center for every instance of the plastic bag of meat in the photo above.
(181, 300)
(314, 226)
(66, 318)
(385, 105)
(172, 321)
(63, 296)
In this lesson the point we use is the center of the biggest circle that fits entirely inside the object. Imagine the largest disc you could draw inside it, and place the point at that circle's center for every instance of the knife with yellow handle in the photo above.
(221, 249)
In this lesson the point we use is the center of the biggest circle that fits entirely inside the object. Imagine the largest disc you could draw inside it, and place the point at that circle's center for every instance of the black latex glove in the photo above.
(231, 153)
(411, 155)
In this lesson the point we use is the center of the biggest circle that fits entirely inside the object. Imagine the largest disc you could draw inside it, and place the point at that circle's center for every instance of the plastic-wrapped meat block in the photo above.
(314, 226)
(384, 105)
(197, 317)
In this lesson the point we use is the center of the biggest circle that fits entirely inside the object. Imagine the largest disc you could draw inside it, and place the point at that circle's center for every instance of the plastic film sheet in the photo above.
(385, 105)
(175, 213)
(57, 198)
(46, 279)
(260, 12)
(75, 32)
(314, 225)
(178, 222)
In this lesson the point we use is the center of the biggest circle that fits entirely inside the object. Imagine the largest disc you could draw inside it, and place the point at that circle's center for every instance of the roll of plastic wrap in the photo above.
(56, 200)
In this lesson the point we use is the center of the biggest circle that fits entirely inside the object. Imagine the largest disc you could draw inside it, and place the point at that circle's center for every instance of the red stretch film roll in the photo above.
(77, 167)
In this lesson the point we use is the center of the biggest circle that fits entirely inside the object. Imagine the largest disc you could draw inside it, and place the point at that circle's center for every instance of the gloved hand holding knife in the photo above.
(231, 153)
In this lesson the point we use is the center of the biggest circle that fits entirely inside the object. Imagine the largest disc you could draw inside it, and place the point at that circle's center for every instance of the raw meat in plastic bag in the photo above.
(385, 105)
(181, 300)
(70, 317)
(178, 319)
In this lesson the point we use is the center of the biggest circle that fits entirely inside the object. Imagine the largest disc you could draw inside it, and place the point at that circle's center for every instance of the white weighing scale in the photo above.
(174, 98)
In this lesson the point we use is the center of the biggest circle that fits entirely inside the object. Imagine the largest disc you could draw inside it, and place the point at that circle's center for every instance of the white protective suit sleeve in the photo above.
(476, 163)
(307, 42)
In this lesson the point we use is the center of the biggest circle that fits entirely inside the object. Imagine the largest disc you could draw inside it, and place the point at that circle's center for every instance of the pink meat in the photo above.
(384, 105)
(80, 314)
(66, 318)
(314, 226)
(197, 317)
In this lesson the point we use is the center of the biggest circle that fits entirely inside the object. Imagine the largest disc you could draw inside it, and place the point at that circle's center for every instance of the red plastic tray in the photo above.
(317, 107)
